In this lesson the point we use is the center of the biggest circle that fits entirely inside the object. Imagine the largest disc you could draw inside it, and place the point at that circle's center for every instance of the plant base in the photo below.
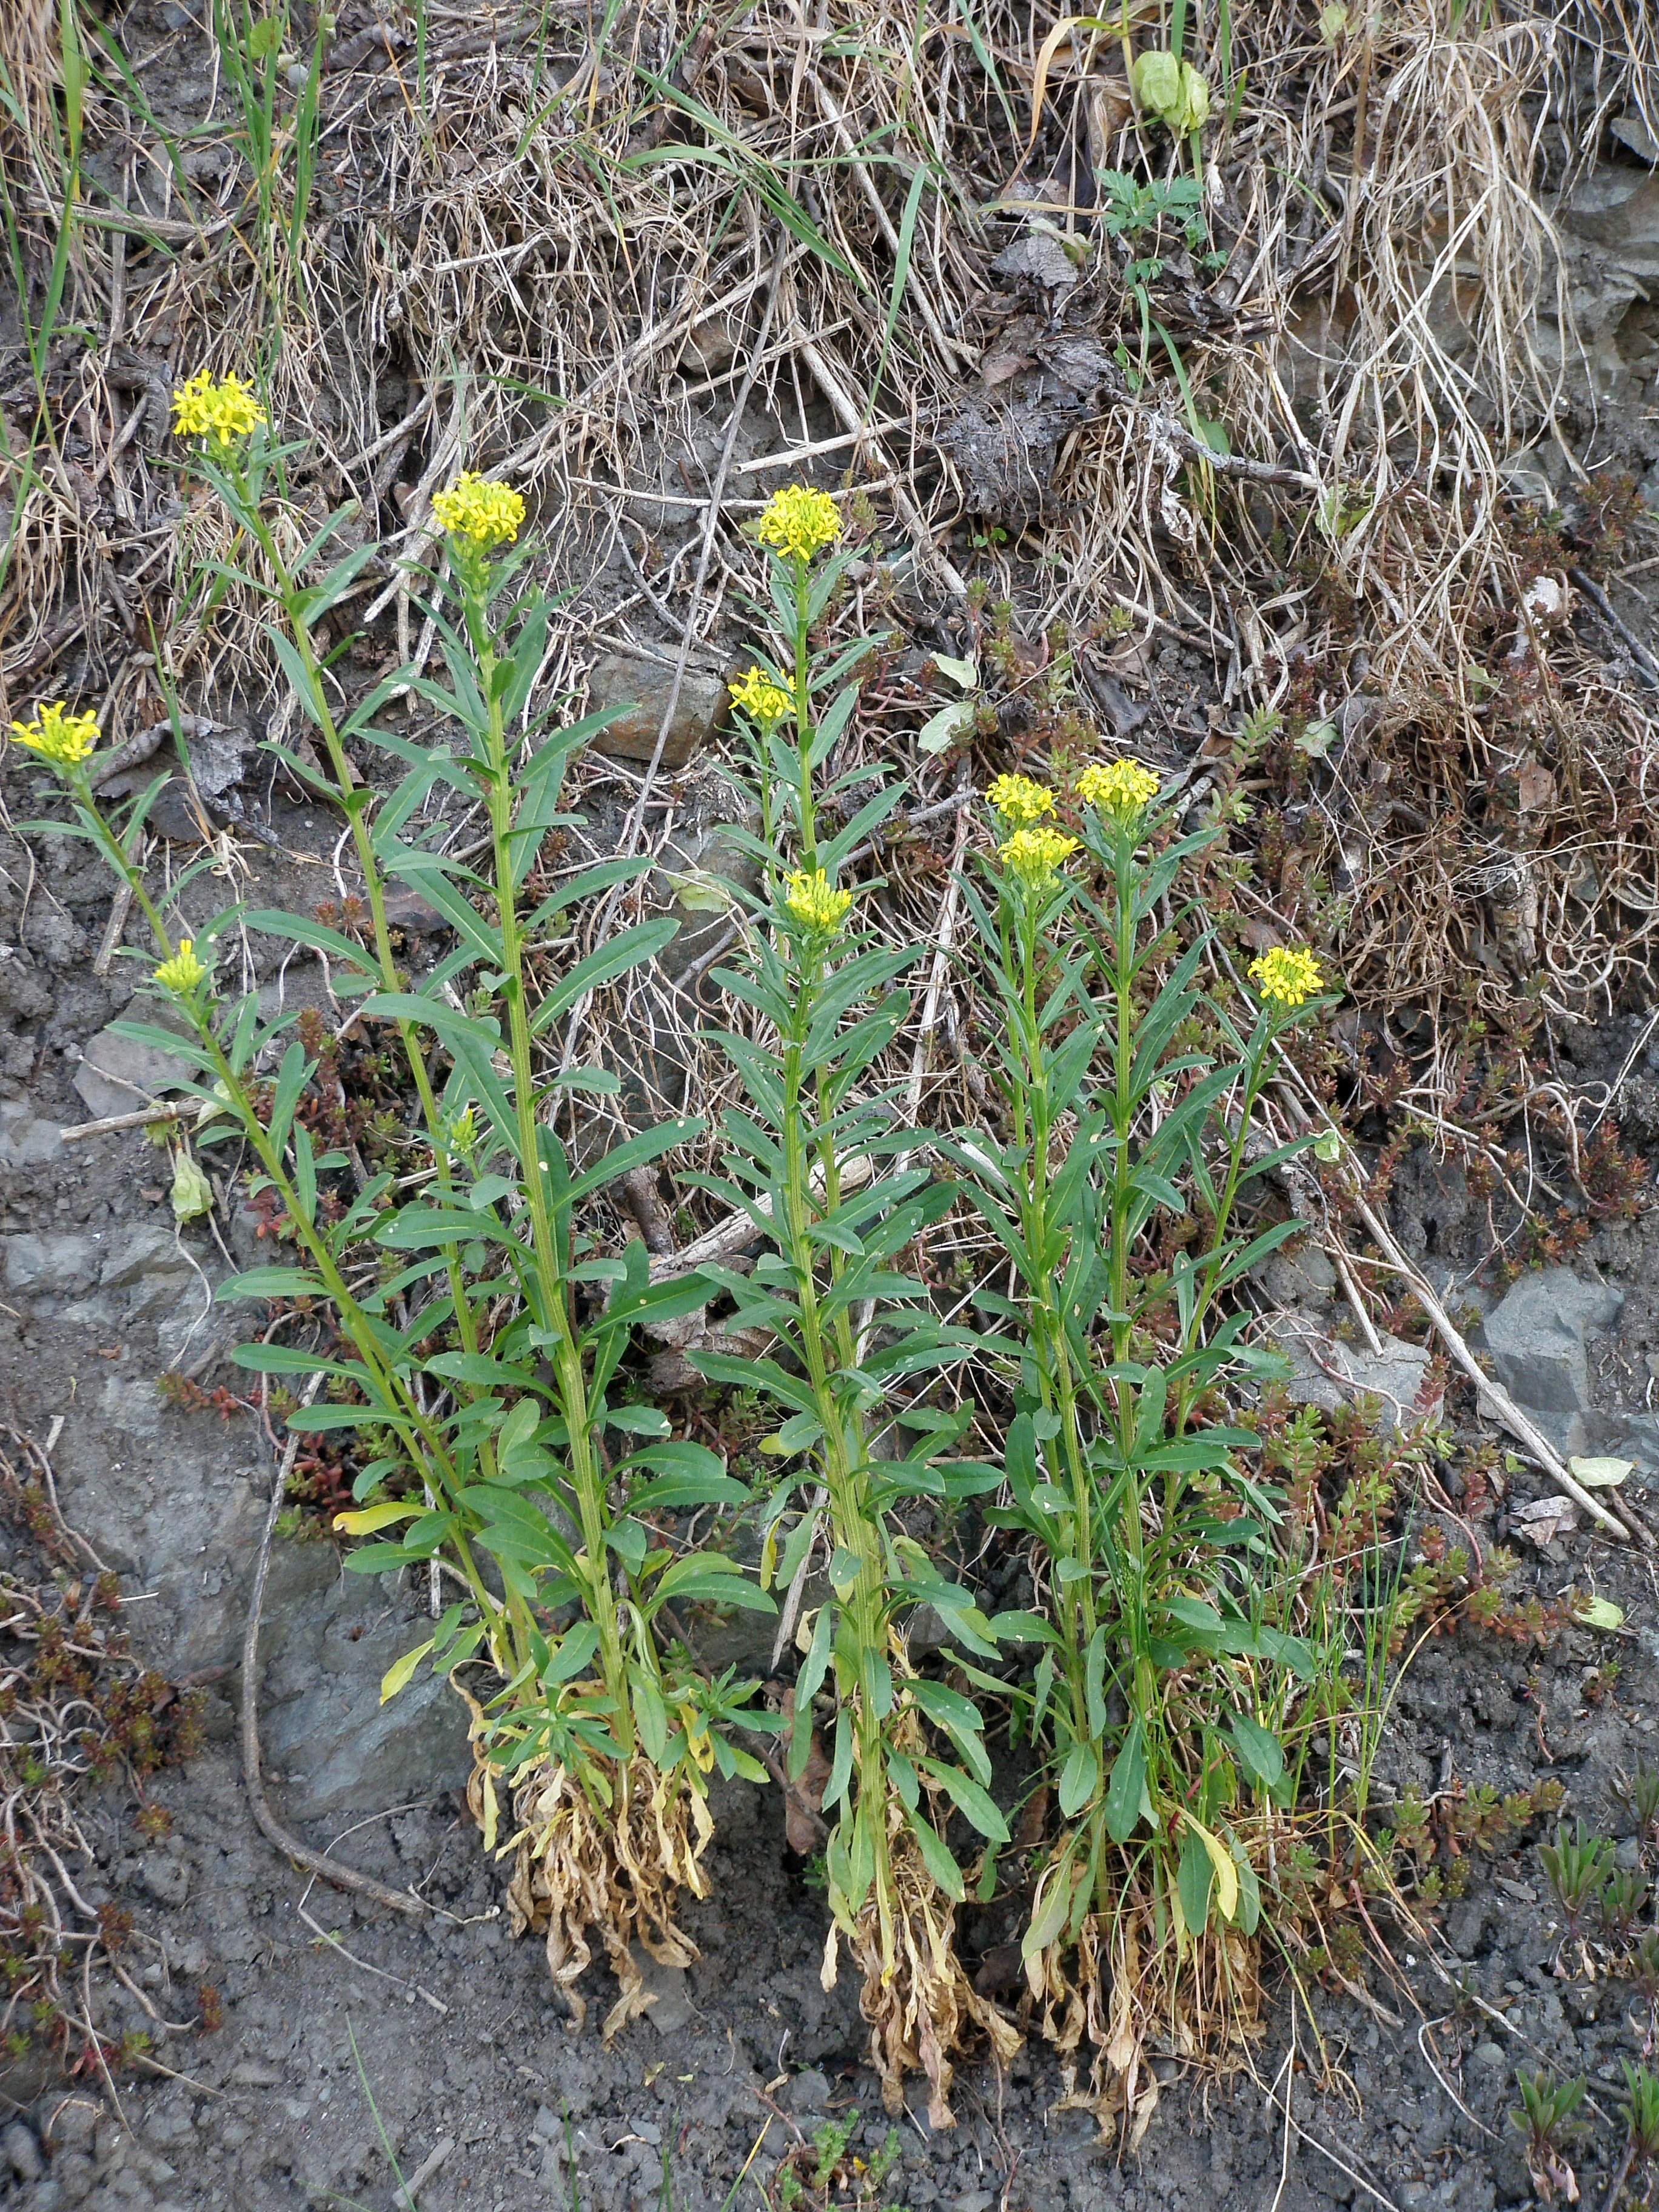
(920, 2012)
(580, 1869)
(1120, 1987)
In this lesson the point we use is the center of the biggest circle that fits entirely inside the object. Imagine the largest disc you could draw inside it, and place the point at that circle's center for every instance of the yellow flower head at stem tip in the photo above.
(815, 904)
(183, 972)
(799, 521)
(1287, 977)
(222, 413)
(63, 739)
(760, 698)
(487, 513)
(1118, 787)
(1035, 857)
(1019, 801)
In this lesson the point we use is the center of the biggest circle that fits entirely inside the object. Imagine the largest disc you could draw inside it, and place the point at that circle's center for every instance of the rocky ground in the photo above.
(348, 2036)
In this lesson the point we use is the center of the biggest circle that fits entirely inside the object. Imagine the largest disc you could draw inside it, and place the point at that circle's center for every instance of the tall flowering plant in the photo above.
(812, 1160)
(507, 1451)
(1136, 1496)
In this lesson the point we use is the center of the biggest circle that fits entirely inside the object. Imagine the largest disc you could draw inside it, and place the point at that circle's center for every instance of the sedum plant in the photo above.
(817, 1158)
(1160, 1672)
(506, 1453)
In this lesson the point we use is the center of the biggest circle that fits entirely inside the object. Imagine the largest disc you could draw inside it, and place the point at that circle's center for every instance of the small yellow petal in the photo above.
(488, 512)
(1121, 787)
(799, 522)
(1020, 801)
(1287, 976)
(1035, 857)
(815, 904)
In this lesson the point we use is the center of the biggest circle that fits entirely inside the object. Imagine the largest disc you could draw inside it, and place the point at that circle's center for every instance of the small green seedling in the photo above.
(1640, 2111)
(1547, 2106)
(1622, 1900)
(1575, 1868)
(1641, 1794)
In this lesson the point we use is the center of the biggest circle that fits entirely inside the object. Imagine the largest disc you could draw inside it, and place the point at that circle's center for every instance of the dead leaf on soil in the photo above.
(1545, 1519)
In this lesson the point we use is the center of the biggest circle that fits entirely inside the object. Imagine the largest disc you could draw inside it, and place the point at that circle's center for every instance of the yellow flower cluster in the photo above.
(63, 739)
(183, 972)
(760, 698)
(488, 514)
(1287, 977)
(222, 413)
(1037, 856)
(1019, 801)
(1120, 787)
(815, 904)
(800, 522)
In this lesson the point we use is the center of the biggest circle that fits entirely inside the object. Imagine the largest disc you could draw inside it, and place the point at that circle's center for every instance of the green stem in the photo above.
(852, 1522)
(809, 837)
(565, 1349)
(354, 799)
(414, 1428)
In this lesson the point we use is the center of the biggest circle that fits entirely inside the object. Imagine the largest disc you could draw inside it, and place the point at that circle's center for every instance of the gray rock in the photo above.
(1301, 1279)
(641, 688)
(71, 2121)
(1535, 1339)
(1329, 1371)
(25, 1141)
(52, 1263)
(22, 2152)
(117, 1074)
(809, 2092)
(672, 2008)
(345, 1753)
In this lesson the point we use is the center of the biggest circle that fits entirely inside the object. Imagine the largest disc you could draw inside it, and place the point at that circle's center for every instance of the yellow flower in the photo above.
(1037, 856)
(222, 413)
(1285, 977)
(183, 972)
(760, 698)
(799, 521)
(488, 514)
(63, 739)
(815, 904)
(1019, 801)
(1121, 787)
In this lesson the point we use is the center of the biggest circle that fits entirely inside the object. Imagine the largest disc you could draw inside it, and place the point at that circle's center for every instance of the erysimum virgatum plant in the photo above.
(505, 1453)
(814, 1158)
(1164, 1653)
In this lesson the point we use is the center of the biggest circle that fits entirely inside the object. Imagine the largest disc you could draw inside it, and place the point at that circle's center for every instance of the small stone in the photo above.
(41, 1264)
(549, 2125)
(26, 1142)
(1535, 1339)
(673, 2008)
(809, 2092)
(1330, 1372)
(641, 689)
(117, 1075)
(254, 2074)
(71, 2124)
(22, 2152)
